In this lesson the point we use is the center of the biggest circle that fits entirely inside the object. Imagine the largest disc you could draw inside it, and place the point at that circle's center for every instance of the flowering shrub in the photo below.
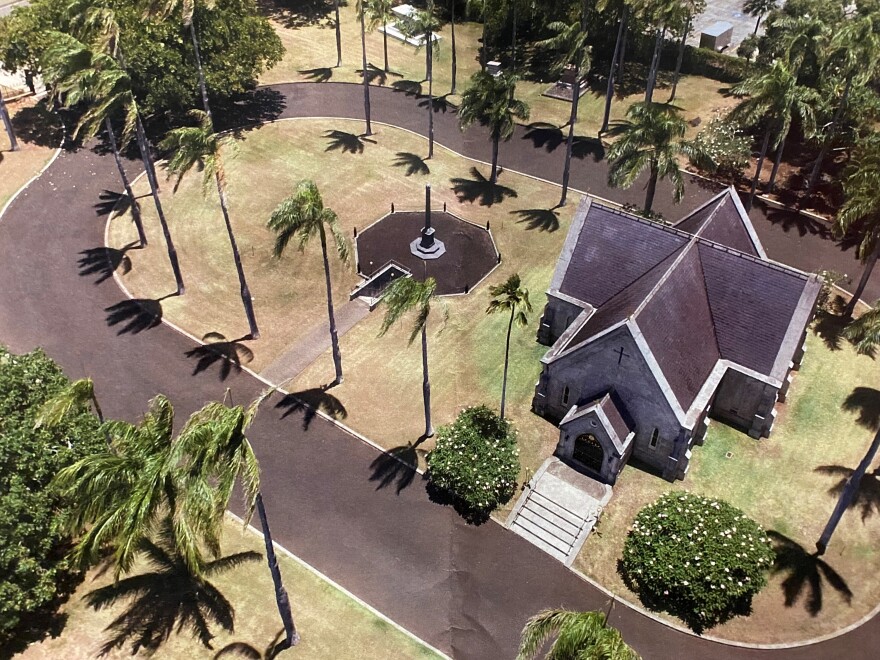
(698, 558)
(723, 144)
(476, 460)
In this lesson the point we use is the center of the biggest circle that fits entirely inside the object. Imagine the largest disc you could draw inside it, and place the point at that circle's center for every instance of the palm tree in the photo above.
(571, 40)
(865, 331)
(616, 64)
(758, 8)
(578, 635)
(78, 394)
(379, 13)
(77, 75)
(861, 208)
(303, 215)
(338, 35)
(490, 101)
(4, 115)
(453, 90)
(480, 6)
(775, 99)
(424, 24)
(402, 296)
(200, 146)
(117, 497)
(687, 11)
(851, 57)
(362, 20)
(168, 598)
(219, 454)
(509, 297)
(652, 137)
(660, 14)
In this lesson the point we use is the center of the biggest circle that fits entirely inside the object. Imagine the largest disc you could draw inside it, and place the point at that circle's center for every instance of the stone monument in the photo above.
(427, 246)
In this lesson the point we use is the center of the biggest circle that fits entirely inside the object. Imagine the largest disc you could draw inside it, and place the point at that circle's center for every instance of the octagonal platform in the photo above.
(470, 254)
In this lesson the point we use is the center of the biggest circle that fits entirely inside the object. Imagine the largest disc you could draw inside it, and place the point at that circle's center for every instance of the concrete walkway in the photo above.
(466, 590)
(312, 345)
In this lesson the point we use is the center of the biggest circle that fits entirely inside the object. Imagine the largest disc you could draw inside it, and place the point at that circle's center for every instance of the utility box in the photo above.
(717, 36)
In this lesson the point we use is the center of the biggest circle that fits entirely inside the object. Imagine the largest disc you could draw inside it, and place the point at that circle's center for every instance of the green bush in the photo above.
(696, 557)
(476, 460)
(32, 545)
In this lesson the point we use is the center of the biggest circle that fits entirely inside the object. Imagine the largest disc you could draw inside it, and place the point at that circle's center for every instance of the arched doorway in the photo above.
(588, 451)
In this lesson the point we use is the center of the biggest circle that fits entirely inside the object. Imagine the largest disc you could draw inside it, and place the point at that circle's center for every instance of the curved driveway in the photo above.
(467, 590)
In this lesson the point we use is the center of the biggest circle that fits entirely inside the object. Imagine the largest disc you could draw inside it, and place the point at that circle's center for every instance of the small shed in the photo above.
(717, 36)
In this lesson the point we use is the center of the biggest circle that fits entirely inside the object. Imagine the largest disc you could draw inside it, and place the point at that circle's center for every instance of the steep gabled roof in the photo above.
(723, 220)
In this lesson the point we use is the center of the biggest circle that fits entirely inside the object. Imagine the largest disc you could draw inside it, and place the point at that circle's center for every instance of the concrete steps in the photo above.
(548, 525)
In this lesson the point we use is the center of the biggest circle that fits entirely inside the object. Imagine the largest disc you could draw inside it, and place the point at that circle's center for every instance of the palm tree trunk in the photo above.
(621, 64)
(776, 162)
(7, 122)
(426, 383)
(829, 138)
(97, 406)
(246, 299)
(513, 37)
(681, 44)
(334, 338)
(506, 360)
(483, 50)
(655, 65)
(494, 177)
(652, 188)
(849, 490)
(338, 37)
(430, 71)
(135, 209)
(202, 87)
(144, 145)
(569, 143)
(281, 597)
(609, 90)
(757, 176)
(758, 23)
(366, 79)
(870, 262)
(454, 63)
(385, 43)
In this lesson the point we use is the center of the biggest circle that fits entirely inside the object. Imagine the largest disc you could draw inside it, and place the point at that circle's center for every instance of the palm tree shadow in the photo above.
(538, 219)
(319, 75)
(408, 87)
(867, 497)
(438, 104)
(250, 652)
(230, 353)
(805, 570)
(166, 600)
(830, 324)
(104, 261)
(375, 75)
(544, 136)
(481, 189)
(398, 464)
(135, 315)
(309, 403)
(866, 402)
(413, 163)
(346, 142)
(112, 200)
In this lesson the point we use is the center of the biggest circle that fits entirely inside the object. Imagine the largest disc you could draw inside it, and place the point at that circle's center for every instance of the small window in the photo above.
(565, 394)
(655, 436)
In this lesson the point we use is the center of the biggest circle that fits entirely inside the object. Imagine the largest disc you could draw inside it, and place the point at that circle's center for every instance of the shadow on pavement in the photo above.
(104, 261)
(309, 403)
(135, 315)
(230, 354)
(397, 465)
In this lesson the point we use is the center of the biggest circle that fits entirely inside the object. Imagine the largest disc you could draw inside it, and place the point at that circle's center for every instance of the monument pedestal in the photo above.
(426, 246)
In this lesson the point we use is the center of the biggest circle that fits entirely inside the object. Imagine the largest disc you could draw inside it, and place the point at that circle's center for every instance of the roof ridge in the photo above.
(770, 263)
(709, 303)
(684, 251)
(670, 229)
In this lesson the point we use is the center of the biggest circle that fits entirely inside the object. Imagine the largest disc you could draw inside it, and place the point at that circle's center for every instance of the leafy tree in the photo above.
(402, 296)
(774, 99)
(758, 8)
(168, 597)
(476, 461)
(577, 635)
(378, 12)
(302, 215)
(652, 138)
(861, 209)
(509, 297)
(35, 570)
(489, 100)
(79, 75)
(865, 331)
(200, 146)
(219, 454)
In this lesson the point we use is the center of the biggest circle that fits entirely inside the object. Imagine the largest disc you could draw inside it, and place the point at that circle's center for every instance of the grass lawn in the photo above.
(331, 624)
(310, 42)
(780, 482)
(17, 167)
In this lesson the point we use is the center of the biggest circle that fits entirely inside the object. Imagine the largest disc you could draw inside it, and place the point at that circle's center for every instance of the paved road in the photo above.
(467, 590)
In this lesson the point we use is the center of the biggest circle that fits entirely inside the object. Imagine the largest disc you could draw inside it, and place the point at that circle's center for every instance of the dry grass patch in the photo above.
(779, 483)
(331, 624)
(311, 56)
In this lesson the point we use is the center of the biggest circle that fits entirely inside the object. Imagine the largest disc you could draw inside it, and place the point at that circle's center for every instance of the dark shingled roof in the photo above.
(720, 222)
(695, 300)
(676, 322)
(612, 251)
(612, 412)
(752, 304)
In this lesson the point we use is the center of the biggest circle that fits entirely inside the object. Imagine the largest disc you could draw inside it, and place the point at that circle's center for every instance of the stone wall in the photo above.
(558, 315)
(745, 403)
